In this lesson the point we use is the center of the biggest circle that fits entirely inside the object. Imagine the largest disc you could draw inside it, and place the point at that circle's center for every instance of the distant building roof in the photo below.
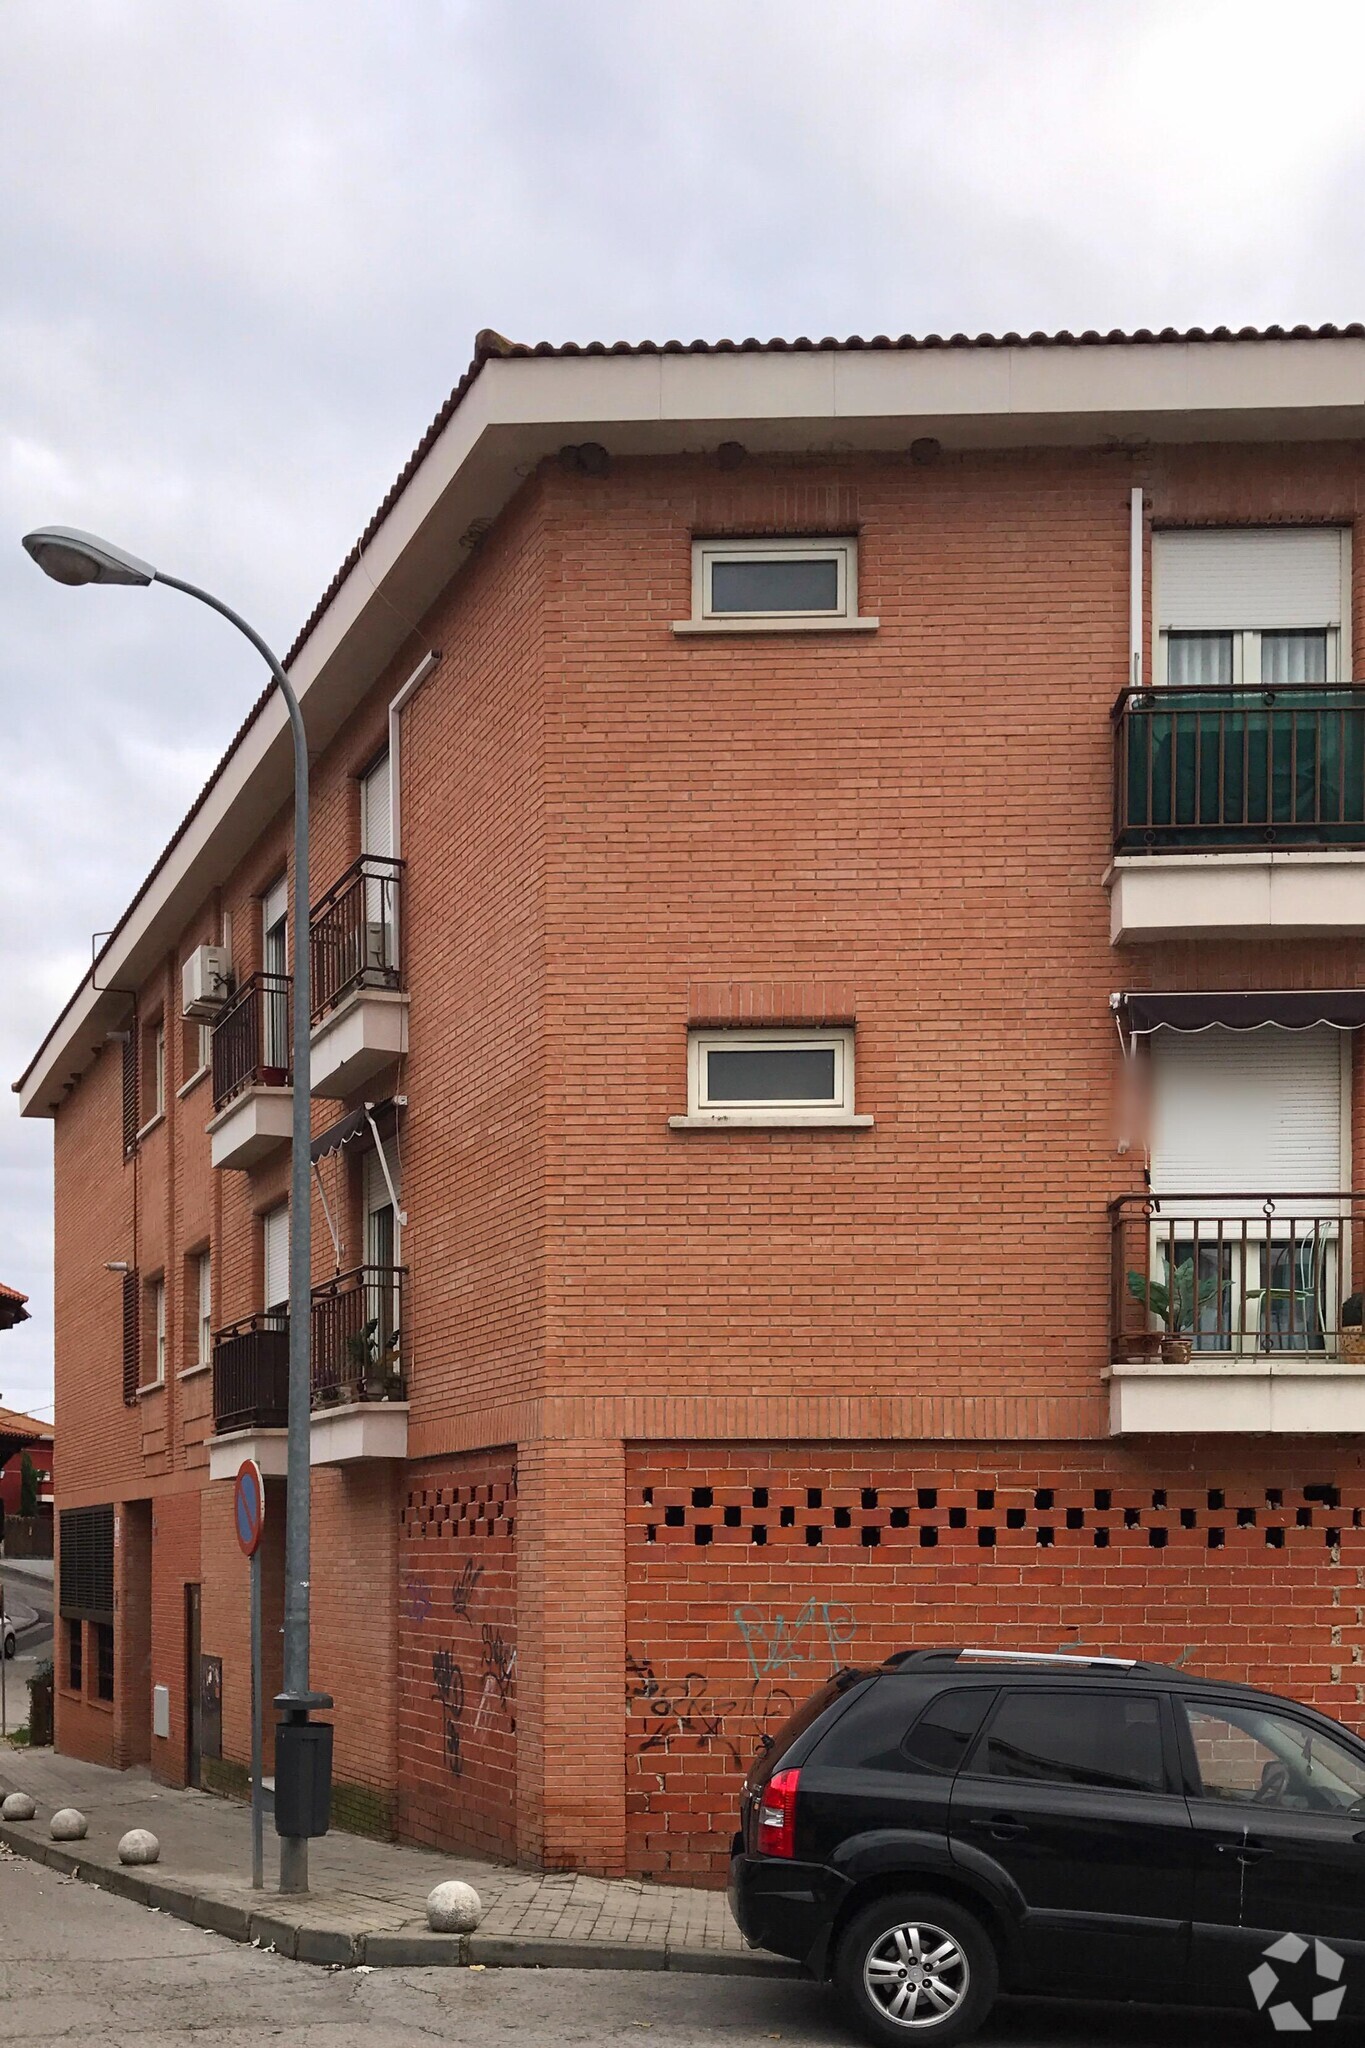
(12, 1308)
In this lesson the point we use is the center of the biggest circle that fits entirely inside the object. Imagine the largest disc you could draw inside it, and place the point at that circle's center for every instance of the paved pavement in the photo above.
(77, 1965)
(368, 1898)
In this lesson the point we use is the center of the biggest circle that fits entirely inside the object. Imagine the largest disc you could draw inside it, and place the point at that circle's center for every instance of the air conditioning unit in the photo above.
(378, 947)
(205, 981)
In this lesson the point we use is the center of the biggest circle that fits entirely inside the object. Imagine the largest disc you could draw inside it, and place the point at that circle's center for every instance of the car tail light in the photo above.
(777, 1814)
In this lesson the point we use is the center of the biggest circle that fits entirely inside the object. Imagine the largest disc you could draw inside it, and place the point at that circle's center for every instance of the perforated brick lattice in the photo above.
(1040, 1517)
(461, 1511)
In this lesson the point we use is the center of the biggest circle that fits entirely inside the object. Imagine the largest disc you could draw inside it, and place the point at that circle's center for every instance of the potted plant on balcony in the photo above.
(1352, 1332)
(375, 1361)
(1174, 1300)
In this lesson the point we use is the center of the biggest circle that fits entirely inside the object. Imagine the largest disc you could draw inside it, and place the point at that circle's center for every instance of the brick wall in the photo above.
(755, 1570)
(458, 1704)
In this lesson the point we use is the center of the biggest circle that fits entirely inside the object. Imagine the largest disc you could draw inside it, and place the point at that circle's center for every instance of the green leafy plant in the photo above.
(1353, 1311)
(373, 1355)
(28, 1486)
(1174, 1300)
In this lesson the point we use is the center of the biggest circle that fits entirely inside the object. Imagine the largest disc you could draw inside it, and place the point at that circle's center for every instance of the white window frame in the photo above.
(159, 1325)
(159, 1066)
(842, 617)
(703, 1113)
(1246, 650)
(203, 1353)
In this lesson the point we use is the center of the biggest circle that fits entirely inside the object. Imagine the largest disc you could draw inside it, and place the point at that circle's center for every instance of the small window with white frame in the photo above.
(203, 1351)
(768, 585)
(773, 1077)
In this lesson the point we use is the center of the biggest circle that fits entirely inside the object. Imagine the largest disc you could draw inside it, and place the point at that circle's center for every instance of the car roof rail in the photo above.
(1054, 1659)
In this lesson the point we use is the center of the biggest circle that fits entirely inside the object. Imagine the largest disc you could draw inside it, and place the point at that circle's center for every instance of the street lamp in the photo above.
(302, 1761)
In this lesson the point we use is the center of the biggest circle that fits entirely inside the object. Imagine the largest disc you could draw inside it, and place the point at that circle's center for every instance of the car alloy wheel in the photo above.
(10, 1646)
(916, 1975)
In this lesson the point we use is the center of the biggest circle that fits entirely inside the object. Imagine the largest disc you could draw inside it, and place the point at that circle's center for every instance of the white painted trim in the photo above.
(397, 707)
(150, 1126)
(193, 1372)
(769, 1120)
(841, 549)
(188, 1087)
(1135, 549)
(151, 1387)
(702, 1111)
(789, 622)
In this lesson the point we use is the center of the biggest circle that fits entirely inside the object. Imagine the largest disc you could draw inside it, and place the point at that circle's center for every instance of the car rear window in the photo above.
(943, 1733)
(806, 1715)
(1076, 1738)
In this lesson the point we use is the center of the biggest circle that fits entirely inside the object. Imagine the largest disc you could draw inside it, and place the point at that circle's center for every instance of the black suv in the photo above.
(956, 1821)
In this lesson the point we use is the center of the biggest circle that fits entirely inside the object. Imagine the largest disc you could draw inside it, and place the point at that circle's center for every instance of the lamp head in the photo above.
(69, 556)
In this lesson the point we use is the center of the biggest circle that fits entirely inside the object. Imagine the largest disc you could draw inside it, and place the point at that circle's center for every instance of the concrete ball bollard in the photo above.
(139, 1845)
(67, 1825)
(454, 1908)
(17, 1806)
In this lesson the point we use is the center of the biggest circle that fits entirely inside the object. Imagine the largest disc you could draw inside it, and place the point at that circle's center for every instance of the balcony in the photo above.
(1237, 1313)
(360, 1010)
(250, 1396)
(360, 1405)
(1238, 812)
(252, 1097)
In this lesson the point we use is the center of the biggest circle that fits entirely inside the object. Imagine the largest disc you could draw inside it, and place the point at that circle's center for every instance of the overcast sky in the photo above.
(245, 247)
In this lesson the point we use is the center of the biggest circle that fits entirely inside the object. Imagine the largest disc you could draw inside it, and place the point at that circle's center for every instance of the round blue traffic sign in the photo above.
(248, 1506)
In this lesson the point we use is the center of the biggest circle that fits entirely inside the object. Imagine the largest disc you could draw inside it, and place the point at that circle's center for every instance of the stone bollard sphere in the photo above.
(17, 1806)
(68, 1825)
(454, 1908)
(139, 1845)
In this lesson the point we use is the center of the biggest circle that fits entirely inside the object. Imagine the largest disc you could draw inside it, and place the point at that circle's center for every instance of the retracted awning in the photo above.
(347, 1129)
(1289, 1009)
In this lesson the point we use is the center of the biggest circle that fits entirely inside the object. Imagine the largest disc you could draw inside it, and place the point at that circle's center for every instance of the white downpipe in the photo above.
(396, 710)
(1134, 589)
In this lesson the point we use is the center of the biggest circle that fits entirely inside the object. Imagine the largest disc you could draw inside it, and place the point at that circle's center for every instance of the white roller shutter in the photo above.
(1259, 578)
(1247, 1112)
(275, 1231)
(376, 814)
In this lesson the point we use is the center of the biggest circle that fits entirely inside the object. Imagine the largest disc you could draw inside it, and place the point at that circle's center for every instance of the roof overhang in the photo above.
(516, 406)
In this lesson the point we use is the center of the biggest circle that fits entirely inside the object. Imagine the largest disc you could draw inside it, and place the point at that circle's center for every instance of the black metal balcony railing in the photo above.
(1238, 1275)
(358, 1338)
(353, 932)
(251, 1374)
(1208, 767)
(252, 1037)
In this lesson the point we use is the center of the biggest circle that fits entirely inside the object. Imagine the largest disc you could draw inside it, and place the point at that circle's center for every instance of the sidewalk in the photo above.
(368, 1902)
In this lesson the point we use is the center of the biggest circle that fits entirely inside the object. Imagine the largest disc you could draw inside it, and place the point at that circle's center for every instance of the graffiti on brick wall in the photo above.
(798, 1648)
(500, 1664)
(447, 1681)
(666, 1715)
(466, 1584)
(415, 1601)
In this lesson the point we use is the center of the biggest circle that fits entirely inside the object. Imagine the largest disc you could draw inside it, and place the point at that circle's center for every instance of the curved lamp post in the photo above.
(69, 556)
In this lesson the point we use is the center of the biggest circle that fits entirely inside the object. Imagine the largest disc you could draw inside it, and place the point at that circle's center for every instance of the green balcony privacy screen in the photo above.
(1225, 768)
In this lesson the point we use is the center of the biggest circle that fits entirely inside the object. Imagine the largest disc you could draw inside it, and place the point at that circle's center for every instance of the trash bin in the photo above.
(40, 1709)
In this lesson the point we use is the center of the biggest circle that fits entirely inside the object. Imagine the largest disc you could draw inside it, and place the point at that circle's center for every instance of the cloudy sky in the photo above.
(244, 249)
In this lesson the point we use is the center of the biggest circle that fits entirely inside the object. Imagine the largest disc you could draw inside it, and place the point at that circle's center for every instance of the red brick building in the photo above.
(845, 910)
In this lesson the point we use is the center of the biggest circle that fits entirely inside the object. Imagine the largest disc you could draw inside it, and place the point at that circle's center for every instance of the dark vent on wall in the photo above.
(130, 1123)
(131, 1339)
(87, 1567)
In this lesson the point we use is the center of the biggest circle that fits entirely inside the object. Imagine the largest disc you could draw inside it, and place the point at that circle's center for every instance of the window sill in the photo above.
(188, 1087)
(777, 1121)
(150, 1126)
(779, 625)
(192, 1372)
(152, 1387)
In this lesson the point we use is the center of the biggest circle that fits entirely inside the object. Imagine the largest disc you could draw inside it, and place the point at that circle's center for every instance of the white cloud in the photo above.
(245, 248)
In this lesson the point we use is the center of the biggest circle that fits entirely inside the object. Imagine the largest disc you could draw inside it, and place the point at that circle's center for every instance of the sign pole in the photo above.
(257, 1763)
(248, 1519)
(4, 1695)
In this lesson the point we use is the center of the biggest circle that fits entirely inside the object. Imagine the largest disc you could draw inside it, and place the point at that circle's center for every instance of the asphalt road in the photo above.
(28, 1602)
(79, 1966)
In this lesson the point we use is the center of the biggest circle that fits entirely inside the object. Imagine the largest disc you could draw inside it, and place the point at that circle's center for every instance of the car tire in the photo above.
(10, 1645)
(910, 1932)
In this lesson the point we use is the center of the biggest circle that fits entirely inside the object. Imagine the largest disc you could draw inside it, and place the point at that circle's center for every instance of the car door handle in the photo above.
(1245, 1852)
(1001, 1826)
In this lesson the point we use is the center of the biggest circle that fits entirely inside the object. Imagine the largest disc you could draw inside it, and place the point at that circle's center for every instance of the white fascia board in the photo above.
(519, 408)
